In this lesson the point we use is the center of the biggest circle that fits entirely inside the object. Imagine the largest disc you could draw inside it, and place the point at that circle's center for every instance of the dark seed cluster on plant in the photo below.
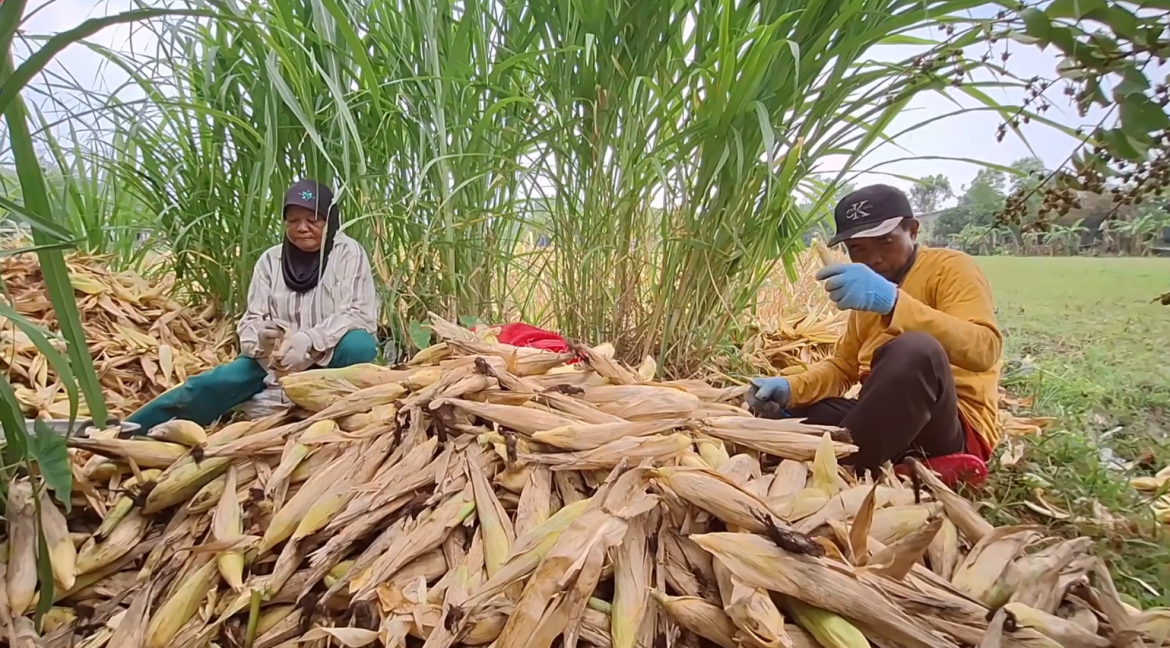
(1124, 161)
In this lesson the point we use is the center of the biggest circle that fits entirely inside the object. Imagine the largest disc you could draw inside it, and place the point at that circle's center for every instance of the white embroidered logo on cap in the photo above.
(857, 210)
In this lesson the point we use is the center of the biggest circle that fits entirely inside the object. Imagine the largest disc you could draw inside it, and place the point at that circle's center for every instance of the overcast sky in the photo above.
(968, 136)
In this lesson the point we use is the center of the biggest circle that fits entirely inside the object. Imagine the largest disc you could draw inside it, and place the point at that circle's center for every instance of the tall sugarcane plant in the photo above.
(660, 148)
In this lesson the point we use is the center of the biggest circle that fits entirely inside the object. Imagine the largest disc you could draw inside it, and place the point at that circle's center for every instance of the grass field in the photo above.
(1095, 354)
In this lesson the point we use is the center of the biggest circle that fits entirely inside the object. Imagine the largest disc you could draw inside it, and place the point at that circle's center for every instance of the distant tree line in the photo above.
(1092, 223)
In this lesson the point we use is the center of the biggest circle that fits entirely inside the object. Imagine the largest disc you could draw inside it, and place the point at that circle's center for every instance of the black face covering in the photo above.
(303, 269)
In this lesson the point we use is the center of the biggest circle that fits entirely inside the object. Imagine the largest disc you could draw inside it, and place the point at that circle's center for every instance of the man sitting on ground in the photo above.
(921, 338)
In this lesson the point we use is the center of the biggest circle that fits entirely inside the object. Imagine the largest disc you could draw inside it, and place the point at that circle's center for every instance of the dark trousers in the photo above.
(907, 405)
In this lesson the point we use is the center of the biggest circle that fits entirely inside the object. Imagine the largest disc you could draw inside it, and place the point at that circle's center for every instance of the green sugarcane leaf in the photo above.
(37, 221)
(36, 63)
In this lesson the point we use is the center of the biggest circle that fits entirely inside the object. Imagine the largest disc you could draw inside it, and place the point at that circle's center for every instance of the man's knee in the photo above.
(915, 349)
(356, 347)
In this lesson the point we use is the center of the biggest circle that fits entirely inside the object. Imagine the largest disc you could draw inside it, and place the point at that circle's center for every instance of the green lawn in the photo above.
(1101, 354)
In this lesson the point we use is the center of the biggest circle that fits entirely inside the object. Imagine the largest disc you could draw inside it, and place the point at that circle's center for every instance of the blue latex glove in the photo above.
(770, 390)
(854, 286)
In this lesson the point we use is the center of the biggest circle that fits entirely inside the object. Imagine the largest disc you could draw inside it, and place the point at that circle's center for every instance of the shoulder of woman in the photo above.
(271, 255)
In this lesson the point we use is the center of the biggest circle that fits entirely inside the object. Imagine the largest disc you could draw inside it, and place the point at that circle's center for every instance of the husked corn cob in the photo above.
(179, 482)
(712, 451)
(495, 526)
(700, 617)
(96, 554)
(22, 546)
(227, 524)
(830, 630)
(187, 433)
(824, 467)
(823, 252)
(57, 618)
(172, 615)
(62, 553)
(145, 452)
(131, 487)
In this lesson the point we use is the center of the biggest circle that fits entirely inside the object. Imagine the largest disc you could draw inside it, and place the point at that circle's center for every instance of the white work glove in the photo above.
(296, 352)
(269, 334)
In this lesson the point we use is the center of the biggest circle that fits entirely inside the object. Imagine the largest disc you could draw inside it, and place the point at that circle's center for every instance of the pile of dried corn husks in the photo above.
(796, 343)
(490, 495)
(141, 340)
(797, 325)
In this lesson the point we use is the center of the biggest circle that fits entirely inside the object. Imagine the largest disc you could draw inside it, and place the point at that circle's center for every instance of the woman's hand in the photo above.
(269, 335)
(295, 352)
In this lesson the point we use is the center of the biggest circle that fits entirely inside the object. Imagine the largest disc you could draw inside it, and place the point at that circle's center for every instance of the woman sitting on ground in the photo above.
(314, 292)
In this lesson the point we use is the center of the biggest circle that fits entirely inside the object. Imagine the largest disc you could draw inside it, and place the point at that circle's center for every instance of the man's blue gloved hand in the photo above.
(768, 397)
(854, 286)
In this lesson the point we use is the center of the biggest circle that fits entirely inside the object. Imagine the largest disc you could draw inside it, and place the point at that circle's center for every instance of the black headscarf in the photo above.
(303, 269)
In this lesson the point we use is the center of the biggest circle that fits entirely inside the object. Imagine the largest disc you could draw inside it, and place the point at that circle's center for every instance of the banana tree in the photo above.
(1139, 232)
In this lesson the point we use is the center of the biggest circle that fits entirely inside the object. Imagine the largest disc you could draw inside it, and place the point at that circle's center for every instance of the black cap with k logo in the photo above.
(869, 212)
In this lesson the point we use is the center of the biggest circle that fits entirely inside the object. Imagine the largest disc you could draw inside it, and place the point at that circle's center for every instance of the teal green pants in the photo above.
(211, 394)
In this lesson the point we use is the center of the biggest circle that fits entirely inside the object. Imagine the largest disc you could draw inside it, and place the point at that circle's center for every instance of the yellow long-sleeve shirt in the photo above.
(946, 295)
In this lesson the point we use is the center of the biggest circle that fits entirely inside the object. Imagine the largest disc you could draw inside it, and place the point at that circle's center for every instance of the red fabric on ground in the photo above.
(525, 335)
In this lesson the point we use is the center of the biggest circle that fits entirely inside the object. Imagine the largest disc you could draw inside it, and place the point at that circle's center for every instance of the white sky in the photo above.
(970, 136)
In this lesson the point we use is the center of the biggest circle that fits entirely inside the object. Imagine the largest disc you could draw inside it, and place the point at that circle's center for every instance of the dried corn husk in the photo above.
(491, 494)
